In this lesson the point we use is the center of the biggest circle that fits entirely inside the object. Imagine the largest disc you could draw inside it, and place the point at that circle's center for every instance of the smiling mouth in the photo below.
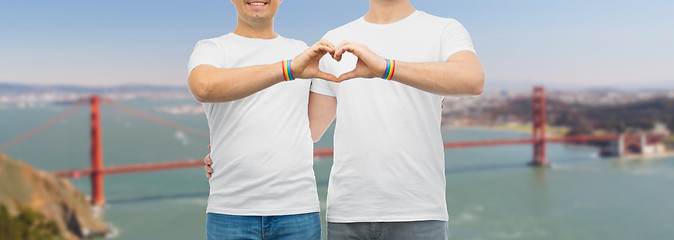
(257, 3)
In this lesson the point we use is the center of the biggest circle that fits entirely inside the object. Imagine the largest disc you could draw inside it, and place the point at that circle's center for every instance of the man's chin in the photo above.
(261, 17)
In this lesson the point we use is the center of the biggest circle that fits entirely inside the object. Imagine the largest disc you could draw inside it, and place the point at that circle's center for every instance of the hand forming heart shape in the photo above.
(305, 65)
(369, 65)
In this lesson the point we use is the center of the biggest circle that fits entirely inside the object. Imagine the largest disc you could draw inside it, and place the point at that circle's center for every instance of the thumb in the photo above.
(347, 75)
(326, 76)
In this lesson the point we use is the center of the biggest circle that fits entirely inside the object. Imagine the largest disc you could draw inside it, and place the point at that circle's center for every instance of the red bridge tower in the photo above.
(539, 122)
(96, 153)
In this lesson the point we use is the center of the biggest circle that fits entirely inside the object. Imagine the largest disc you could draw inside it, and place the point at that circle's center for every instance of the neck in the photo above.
(388, 11)
(256, 30)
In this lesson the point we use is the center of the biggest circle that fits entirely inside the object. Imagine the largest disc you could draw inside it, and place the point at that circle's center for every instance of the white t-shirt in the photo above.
(388, 154)
(262, 149)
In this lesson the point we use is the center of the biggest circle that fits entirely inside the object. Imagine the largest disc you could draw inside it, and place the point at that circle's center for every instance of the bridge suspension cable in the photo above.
(44, 125)
(154, 119)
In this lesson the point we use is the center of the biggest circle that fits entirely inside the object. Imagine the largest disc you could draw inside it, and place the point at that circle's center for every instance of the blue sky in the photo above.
(564, 44)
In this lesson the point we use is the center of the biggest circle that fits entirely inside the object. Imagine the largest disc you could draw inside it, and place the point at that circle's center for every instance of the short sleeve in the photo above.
(455, 38)
(321, 86)
(303, 45)
(205, 52)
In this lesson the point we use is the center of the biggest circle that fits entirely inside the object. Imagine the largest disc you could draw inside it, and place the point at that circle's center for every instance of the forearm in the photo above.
(453, 77)
(322, 110)
(211, 84)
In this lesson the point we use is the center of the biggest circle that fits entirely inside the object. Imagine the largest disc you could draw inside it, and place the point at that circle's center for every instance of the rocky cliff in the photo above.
(24, 187)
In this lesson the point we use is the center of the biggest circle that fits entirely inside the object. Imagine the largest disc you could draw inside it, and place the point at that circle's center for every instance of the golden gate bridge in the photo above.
(97, 170)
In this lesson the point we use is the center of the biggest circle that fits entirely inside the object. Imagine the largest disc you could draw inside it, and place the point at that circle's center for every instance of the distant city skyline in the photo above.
(568, 44)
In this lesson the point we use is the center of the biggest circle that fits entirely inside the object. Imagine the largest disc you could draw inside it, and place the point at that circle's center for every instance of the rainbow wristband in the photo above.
(287, 73)
(390, 69)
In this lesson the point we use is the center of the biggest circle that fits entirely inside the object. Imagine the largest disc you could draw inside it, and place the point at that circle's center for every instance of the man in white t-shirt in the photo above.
(388, 175)
(256, 102)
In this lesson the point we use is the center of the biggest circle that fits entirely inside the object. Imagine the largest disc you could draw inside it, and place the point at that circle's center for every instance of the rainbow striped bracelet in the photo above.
(390, 69)
(287, 73)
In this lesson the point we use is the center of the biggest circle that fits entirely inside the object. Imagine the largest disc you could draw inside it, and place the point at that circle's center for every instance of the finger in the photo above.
(326, 76)
(209, 169)
(206, 169)
(208, 175)
(323, 50)
(343, 43)
(320, 43)
(327, 49)
(350, 48)
(347, 75)
(339, 50)
(326, 43)
(318, 50)
(313, 50)
(207, 160)
(209, 146)
(346, 44)
(338, 53)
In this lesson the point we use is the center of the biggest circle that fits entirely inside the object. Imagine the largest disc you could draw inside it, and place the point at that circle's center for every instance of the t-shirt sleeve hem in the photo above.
(321, 90)
(191, 68)
(459, 50)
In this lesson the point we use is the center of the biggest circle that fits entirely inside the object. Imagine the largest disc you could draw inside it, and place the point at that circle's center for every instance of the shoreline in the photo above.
(522, 128)
(644, 157)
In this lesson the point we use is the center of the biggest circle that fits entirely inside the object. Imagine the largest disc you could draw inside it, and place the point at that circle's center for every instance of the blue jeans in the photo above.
(305, 226)
(426, 230)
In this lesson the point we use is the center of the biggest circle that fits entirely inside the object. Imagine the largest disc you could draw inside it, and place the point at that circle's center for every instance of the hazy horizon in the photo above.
(511, 86)
(570, 44)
